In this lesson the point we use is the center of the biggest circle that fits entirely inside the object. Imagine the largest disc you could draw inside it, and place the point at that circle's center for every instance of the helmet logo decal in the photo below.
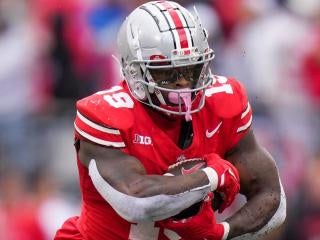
(157, 57)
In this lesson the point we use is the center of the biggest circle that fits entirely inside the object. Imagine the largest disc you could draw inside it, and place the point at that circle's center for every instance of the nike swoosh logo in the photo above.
(210, 134)
(192, 169)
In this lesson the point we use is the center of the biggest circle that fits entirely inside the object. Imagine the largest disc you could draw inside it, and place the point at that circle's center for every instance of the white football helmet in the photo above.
(160, 42)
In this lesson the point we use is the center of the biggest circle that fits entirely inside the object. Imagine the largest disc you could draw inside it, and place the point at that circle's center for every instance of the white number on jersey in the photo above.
(223, 88)
(117, 100)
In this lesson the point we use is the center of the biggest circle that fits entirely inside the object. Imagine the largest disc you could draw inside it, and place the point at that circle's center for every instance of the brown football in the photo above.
(186, 167)
(182, 168)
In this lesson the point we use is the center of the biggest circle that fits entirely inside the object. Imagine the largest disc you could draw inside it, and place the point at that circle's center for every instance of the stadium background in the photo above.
(54, 52)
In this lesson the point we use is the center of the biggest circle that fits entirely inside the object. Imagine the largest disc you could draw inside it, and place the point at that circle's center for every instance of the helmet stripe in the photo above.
(172, 25)
(164, 16)
(188, 31)
(177, 26)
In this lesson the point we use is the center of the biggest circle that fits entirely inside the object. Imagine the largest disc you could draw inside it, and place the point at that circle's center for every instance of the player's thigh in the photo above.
(69, 230)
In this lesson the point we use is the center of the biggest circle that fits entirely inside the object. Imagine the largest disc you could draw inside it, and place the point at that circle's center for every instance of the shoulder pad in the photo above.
(226, 96)
(111, 108)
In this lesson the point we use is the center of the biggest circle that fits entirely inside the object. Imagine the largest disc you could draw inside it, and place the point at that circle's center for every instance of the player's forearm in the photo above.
(127, 174)
(254, 214)
(153, 208)
(151, 185)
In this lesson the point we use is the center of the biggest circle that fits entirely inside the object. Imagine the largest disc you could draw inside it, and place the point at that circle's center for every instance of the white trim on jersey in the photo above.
(245, 126)
(246, 111)
(97, 140)
(96, 126)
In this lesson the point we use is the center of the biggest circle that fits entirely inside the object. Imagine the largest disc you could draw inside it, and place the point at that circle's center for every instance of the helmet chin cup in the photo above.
(139, 91)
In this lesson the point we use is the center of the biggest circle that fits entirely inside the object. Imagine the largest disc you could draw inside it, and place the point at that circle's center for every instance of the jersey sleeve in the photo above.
(227, 97)
(101, 123)
(238, 127)
(87, 129)
(228, 100)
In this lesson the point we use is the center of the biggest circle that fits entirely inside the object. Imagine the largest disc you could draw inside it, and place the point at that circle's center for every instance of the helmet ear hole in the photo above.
(132, 71)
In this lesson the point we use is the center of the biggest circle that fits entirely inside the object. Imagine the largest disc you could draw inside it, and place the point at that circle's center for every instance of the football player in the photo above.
(169, 109)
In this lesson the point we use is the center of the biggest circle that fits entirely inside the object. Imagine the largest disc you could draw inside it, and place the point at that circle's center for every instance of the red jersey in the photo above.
(113, 118)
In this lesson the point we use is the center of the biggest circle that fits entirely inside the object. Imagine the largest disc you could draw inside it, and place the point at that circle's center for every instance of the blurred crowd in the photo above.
(54, 52)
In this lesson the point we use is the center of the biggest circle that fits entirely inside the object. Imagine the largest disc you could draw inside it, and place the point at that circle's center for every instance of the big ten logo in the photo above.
(145, 140)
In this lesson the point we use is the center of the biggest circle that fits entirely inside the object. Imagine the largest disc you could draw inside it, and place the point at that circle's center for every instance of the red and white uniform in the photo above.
(113, 118)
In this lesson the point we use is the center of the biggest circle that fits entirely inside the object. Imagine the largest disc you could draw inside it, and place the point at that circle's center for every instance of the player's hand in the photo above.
(228, 184)
(199, 227)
